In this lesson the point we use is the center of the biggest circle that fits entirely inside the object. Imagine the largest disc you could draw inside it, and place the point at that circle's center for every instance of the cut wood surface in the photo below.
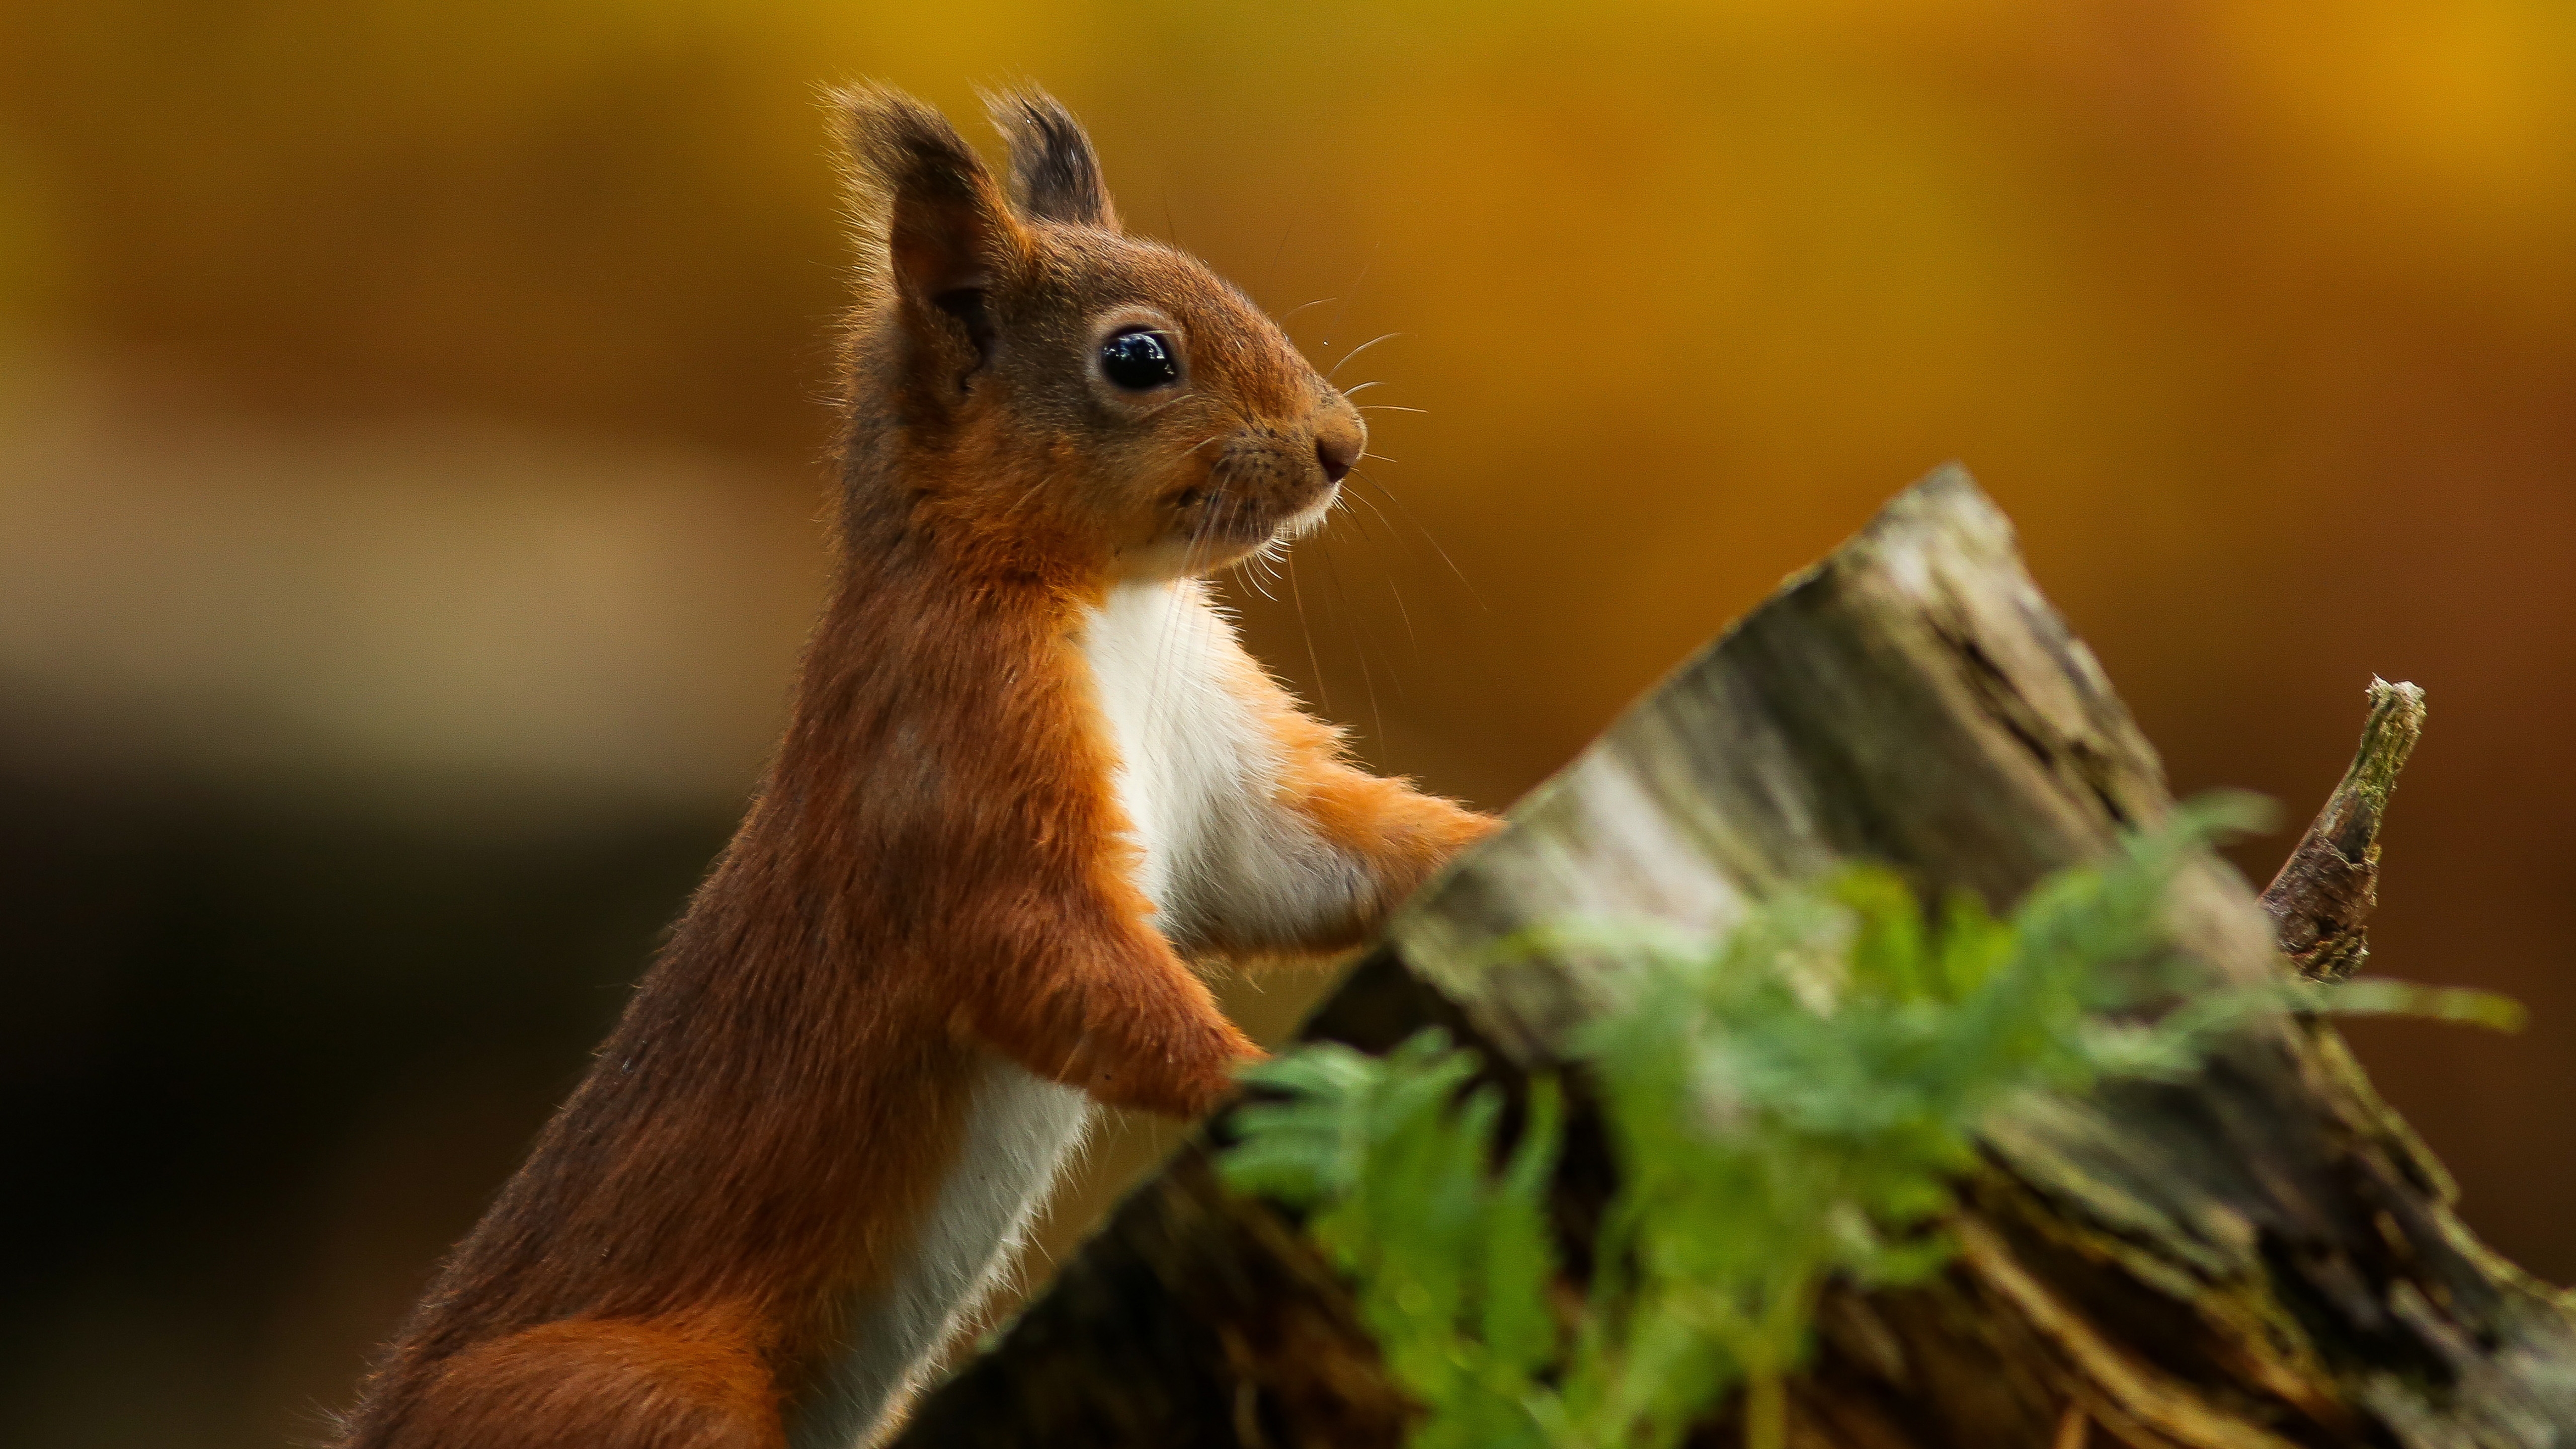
(2260, 1255)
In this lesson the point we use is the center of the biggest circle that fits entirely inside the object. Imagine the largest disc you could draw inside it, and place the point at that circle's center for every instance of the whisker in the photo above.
(1342, 505)
(1363, 475)
(1323, 692)
(1282, 318)
(1350, 496)
(1356, 351)
(1285, 232)
(1380, 457)
(1194, 447)
(1410, 639)
(1356, 283)
(1359, 645)
(1355, 389)
(1361, 524)
(1259, 569)
(1387, 408)
(1166, 404)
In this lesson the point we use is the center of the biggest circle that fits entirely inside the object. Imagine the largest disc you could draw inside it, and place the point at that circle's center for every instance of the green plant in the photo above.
(1787, 1105)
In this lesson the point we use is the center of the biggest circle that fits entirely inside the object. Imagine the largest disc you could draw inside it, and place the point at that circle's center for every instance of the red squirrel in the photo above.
(1029, 776)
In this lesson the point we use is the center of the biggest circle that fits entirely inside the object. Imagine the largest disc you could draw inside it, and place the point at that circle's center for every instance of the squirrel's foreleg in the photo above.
(1098, 1001)
(1328, 849)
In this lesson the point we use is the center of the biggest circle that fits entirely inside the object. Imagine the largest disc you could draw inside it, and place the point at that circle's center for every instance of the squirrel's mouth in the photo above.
(1221, 529)
(1245, 513)
(1309, 518)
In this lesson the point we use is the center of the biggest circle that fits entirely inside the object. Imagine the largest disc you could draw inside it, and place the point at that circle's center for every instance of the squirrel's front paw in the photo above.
(1186, 1079)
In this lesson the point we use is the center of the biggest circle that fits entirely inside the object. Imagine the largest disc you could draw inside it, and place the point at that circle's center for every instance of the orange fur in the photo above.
(1405, 836)
(938, 867)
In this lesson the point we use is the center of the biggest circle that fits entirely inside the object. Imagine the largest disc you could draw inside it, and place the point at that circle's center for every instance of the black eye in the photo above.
(1140, 360)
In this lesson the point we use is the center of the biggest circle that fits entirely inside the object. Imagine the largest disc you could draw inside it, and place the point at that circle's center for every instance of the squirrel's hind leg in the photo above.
(600, 1383)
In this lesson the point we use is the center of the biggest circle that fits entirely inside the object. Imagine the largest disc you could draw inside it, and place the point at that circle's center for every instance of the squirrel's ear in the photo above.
(1054, 174)
(933, 228)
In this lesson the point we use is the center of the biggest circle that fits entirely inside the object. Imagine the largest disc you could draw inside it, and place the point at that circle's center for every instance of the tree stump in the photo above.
(2259, 1255)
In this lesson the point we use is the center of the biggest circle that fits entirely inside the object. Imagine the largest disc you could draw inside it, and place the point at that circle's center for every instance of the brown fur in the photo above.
(936, 865)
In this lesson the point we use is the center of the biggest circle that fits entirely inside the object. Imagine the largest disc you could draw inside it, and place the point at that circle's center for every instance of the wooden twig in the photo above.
(2323, 897)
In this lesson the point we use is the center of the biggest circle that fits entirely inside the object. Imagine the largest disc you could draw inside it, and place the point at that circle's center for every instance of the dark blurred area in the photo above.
(410, 438)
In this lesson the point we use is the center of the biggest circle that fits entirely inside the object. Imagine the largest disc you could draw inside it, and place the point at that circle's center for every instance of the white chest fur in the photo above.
(1191, 760)
(1199, 774)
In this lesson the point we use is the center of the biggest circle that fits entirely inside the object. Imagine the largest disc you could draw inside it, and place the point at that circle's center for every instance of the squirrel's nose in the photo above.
(1338, 441)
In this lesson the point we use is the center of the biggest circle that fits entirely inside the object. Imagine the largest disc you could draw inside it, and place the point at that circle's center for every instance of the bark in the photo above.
(2261, 1255)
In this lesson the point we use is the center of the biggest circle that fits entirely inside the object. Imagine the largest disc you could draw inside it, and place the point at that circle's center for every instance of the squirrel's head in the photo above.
(1053, 386)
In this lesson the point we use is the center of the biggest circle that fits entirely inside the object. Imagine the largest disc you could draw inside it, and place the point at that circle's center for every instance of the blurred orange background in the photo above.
(410, 436)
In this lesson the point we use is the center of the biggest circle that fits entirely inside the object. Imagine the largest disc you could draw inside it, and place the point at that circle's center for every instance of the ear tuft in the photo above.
(929, 219)
(1055, 175)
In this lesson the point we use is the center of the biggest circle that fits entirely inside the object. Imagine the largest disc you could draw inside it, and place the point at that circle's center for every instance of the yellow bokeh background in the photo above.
(411, 433)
